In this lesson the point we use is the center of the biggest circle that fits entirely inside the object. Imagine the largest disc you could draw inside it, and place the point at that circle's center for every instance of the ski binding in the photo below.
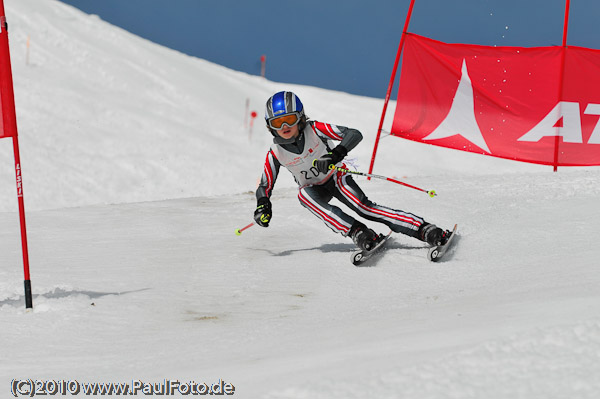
(359, 257)
(437, 253)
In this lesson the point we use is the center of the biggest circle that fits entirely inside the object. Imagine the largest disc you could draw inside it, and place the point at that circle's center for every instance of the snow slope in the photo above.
(137, 169)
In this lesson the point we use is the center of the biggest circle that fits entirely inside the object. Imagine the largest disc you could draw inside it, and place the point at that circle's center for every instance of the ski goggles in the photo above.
(287, 119)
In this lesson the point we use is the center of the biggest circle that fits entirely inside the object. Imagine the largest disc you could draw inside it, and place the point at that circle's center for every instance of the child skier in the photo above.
(305, 148)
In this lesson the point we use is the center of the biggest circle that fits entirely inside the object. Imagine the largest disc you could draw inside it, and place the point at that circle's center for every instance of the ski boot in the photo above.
(433, 235)
(440, 240)
(364, 238)
(367, 241)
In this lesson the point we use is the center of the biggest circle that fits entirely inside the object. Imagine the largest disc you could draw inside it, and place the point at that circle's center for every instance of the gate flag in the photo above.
(8, 126)
(510, 102)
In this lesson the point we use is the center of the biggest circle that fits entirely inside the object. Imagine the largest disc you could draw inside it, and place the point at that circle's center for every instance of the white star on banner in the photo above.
(461, 117)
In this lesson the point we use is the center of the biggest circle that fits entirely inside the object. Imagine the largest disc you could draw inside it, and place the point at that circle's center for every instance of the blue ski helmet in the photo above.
(284, 102)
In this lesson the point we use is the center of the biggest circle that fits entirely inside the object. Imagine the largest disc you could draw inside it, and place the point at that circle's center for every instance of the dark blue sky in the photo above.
(346, 45)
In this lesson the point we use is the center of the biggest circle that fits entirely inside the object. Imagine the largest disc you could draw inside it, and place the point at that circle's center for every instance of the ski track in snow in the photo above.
(137, 170)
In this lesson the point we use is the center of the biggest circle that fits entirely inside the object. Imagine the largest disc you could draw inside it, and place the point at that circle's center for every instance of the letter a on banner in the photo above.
(8, 128)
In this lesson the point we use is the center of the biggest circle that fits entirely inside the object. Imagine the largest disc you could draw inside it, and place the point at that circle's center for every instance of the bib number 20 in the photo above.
(309, 174)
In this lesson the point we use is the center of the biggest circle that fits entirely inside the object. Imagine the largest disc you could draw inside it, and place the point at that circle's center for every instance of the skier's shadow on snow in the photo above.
(59, 293)
(349, 248)
(325, 248)
(342, 248)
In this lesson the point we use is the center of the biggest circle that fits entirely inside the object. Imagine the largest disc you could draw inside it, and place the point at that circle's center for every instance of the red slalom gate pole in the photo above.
(431, 193)
(238, 232)
(562, 75)
(27, 281)
(391, 84)
(263, 65)
(8, 128)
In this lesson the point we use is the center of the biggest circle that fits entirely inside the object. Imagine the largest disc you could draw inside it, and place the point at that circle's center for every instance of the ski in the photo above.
(437, 253)
(359, 257)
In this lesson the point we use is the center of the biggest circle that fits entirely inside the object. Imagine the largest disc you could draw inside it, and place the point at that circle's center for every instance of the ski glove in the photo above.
(263, 213)
(335, 156)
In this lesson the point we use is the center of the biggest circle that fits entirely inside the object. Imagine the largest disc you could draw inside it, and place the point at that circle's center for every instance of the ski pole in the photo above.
(238, 232)
(431, 193)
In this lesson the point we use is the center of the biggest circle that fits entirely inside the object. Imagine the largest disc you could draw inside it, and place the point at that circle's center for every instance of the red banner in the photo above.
(8, 125)
(506, 102)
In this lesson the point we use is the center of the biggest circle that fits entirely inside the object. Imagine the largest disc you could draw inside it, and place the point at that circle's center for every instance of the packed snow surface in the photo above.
(139, 163)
